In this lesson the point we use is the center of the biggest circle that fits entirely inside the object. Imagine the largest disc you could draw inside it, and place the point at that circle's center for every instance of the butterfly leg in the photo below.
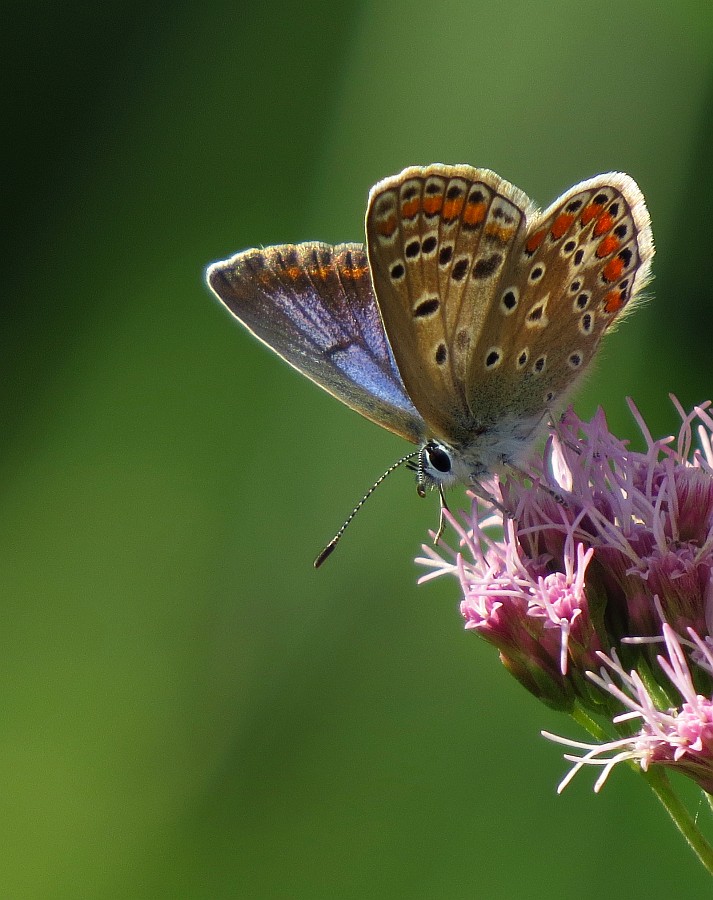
(555, 495)
(441, 515)
(554, 425)
(477, 488)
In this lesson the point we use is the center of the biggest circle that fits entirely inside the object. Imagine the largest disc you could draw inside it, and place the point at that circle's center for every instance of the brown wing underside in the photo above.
(490, 306)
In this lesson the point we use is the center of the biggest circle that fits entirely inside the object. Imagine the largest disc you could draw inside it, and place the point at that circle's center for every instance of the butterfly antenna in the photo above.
(420, 476)
(335, 540)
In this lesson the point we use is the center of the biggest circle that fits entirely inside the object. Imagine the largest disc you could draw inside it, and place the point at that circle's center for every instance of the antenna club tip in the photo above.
(327, 552)
(335, 540)
(421, 490)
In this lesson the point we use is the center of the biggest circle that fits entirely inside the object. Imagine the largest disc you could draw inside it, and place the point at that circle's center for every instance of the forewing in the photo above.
(313, 304)
(579, 267)
(438, 239)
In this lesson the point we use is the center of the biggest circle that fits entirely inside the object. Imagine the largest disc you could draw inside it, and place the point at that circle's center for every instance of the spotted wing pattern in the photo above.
(582, 263)
(495, 309)
(438, 239)
(313, 304)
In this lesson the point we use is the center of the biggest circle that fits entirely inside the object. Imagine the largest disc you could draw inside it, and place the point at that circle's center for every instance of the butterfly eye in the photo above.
(438, 458)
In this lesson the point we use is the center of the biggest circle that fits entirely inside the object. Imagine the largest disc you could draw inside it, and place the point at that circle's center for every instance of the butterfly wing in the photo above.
(495, 309)
(313, 304)
(438, 239)
(574, 274)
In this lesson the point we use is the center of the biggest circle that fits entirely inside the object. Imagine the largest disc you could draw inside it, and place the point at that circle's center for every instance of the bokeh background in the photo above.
(188, 709)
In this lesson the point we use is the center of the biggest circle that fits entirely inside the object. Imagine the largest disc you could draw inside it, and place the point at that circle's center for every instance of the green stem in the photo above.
(661, 786)
(582, 717)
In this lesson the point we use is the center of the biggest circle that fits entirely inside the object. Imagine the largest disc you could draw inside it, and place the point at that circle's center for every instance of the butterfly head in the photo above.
(440, 465)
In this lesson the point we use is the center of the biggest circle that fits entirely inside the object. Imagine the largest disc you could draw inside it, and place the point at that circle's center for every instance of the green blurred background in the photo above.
(188, 709)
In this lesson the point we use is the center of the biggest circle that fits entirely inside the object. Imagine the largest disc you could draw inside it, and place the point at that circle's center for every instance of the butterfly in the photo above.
(465, 321)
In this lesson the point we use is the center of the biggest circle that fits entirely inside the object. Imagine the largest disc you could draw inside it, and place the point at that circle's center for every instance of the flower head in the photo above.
(598, 545)
(679, 737)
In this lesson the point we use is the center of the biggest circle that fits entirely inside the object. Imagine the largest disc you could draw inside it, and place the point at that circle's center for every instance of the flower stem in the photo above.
(661, 786)
(582, 717)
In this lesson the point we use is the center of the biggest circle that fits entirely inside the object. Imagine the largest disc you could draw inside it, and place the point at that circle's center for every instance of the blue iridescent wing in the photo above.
(314, 305)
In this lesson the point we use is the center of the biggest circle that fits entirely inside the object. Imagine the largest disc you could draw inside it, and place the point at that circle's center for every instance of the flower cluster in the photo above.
(590, 566)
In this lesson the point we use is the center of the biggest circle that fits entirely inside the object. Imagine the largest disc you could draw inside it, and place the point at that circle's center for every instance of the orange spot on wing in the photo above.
(432, 205)
(410, 208)
(607, 246)
(474, 213)
(613, 301)
(605, 223)
(355, 273)
(387, 226)
(534, 242)
(493, 230)
(452, 208)
(318, 273)
(294, 272)
(590, 212)
(613, 269)
(561, 225)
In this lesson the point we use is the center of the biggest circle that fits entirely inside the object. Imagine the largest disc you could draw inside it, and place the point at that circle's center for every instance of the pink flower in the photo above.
(600, 544)
(679, 737)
